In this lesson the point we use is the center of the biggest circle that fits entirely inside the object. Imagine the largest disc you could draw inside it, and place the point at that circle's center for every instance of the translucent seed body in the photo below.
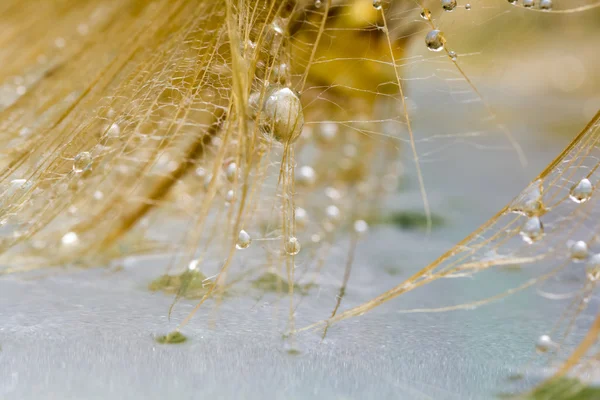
(579, 250)
(292, 246)
(435, 40)
(244, 240)
(532, 230)
(582, 191)
(546, 5)
(377, 4)
(449, 5)
(82, 162)
(283, 116)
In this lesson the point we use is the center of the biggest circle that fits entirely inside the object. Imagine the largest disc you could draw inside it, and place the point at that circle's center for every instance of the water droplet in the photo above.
(70, 239)
(193, 265)
(327, 132)
(292, 246)
(318, 3)
(301, 216)
(592, 268)
(452, 55)
(546, 5)
(426, 14)
(435, 40)
(229, 196)
(333, 214)
(306, 176)
(113, 130)
(377, 4)
(361, 227)
(578, 250)
(231, 171)
(529, 202)
(528, 3)
(449, 5)
(278, 26)
(283, 116)
(82, 162)
(581, 192)
(544, 344)
(532, 230)
(244, 240)
(468, 6)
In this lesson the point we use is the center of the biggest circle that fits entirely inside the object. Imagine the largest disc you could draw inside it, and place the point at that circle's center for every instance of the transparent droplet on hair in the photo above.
(292, 246)
(468, 6)
(544, 344)
(435, 40)
(452, 55)
(306, 176)
(82, 162)
(283, 115)
(448, 5)
(229, 196)
(592, 268)
(426, 14)
(377, 4)
(546, 5)
(532, 230)
(301, 217)
(278, 26)
(231, 171)
(244, 240)
(529, 202)
(361, 227)
(318, 3)
(70, 239)
(578, 250)
(528, 3)
(582, 191)
(193, 265)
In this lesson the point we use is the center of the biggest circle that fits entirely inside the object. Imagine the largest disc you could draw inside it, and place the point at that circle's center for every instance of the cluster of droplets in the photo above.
(545, 5)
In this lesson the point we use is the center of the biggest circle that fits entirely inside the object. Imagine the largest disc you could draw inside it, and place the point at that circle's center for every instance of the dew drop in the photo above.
(544, 344)
(306, 176)
(528, 3)
(193, 265)
(468, 6)
(82, 162)
(435, 40)
(113, 130)
(532, 230)
(578, 250)
(529, 202)
(452, 55)
(327, 132)
(592, 268)
(229, 196)
(426, 14)
(318, 3)
(448, 5)
(231, 171)
(292, 246)
(377, 4)
(333, 214)
(513, 2)
(546, 5)
(253, 104)
(361, 227)
(283, 116)
(244, 240)
(70, 239)
(278, 26)
(301, 216)
(581, 192)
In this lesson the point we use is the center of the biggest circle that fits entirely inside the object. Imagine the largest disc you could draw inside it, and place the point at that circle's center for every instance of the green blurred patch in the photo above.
(172, 338)
(410, 220)
(189, 284)
(271, 282)
(564, 389)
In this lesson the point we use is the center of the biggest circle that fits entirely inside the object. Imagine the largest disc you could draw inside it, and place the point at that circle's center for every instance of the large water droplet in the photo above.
(581, 192)
(244, 240)
(82, 162)
(282, 114)
(546, 5)
(377, 4)
(435, 40)
(292, 246)
(532, 230)
(578, 250)
(544, 344)
(449, 5)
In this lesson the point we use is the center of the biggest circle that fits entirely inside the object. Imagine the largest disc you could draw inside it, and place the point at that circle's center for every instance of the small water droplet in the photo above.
(327, 132)
(82, 162)
(546, 5)
(582, 191)
(231, 171)
(306, 176)
(377, 4)
(528, 3)
(468, 6)
(292, 246)
(318, 3)
(244, 240)
(229, 196)
(448, 5)
(532, 230)
(113, 130)
(70, 239)
(361, 227)
(544, 344)
(301, 216)
(193, 265)
(333, 214)
(283, 115)
(435, 40)
(578, 250)
(452, 55)
(426, 14)
(592, 268)
(529, 202)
